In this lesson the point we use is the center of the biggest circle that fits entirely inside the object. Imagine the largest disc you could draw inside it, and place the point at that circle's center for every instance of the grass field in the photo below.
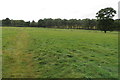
(0, 52)
(59, 53)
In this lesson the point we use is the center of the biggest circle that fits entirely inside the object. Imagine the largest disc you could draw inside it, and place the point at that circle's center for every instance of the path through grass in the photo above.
(18, 63)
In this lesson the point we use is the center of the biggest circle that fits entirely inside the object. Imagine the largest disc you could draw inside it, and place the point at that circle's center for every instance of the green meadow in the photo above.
(59, 53)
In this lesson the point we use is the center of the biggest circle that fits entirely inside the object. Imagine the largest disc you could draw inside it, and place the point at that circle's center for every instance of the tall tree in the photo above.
(104, 17)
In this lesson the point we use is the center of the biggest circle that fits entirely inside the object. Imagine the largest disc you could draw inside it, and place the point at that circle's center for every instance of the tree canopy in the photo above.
(104, 17)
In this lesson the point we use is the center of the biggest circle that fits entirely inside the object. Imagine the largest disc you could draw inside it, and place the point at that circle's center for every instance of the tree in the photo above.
(18, 23)
(6, 22)
(33, 24)
(104, 18)
(117, 24)
(27, 24)
(86, 23)
(41, 23)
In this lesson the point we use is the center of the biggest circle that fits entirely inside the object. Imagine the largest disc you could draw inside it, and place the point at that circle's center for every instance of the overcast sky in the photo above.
(65, 9)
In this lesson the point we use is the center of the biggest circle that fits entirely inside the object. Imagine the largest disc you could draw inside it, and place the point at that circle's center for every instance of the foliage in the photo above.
(6, 22)
(53, 23)
(89, 24)
(105, 21)
(117, 24)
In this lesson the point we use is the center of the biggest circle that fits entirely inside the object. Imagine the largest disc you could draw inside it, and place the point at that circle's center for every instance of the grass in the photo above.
(0, 52)
(59, 53)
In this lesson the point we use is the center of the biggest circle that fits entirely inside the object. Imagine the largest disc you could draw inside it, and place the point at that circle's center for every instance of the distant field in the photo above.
(59, 53)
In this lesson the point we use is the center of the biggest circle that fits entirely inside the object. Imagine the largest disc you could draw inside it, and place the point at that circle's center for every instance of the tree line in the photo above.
(103, 22)
(58, 23)
(53, 23)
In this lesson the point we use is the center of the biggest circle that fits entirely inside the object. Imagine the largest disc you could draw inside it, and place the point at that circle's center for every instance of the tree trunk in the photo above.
(105, 31)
